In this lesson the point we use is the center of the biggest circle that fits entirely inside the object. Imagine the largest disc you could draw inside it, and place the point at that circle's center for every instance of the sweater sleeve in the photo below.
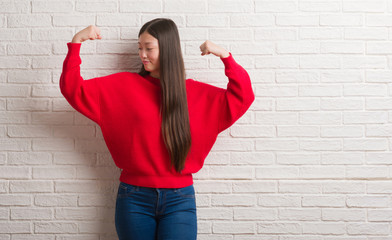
(82, 95)
(238, 96)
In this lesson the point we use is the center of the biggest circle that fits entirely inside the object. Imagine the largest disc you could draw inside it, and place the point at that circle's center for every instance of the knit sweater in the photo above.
(126, 106)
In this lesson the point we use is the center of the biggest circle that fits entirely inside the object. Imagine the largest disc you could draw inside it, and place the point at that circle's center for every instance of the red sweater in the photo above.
(126, 107)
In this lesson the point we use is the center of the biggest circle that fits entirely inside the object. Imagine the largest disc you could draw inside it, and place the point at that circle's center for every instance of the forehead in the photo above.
(147, 39)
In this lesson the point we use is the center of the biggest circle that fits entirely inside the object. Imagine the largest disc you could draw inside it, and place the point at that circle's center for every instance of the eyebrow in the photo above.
(146, 43)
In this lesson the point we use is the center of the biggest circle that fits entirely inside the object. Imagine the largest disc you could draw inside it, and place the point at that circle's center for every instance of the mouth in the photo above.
(145, 62)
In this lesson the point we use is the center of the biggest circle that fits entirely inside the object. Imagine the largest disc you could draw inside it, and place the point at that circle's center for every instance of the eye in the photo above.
(149, 49)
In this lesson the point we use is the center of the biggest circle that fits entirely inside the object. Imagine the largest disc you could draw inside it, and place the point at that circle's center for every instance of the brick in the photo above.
(322, 172)
(15, 173)
(344, 187)
(317, 33)
(369, 117)
(366, 33)
(15, 200)
(31, 186)
(80, 213)
(233, 227)
(58, 200)
(53, 172)
(351, 19)
(12, 90)
(254, 20)
(368, 172)
(368, 201)
(342, 131)
(224, 172)
(279, 118)
(353, 215)
(31, 213)
(15, 7)
(298, 131)
(379, 187)
(320, 6)
(368, 228)
(233, 145)
(297, 214)
(321, 145)
(284, 200)
(324, 228)
(275, 34)
(274, 144)
(55, 227)
(149, 6)
(15, 227)
(88, 200)
(215, 214)
(378, 157)
(365, 144)
(277, 62)
(108, 6)
(279, 228)
(297, 104)
(29, 158)
(181, 6)
(51, 7)
(207, 21)
(323, 201)
(286, 186)
(375, 20)
(116, 19)
(363, 6)
(277, 172)
(28, 104)
(8, 144)
(230, 6)
(297, 158)
(342, 104)
(254, 187)
(350, 158)
(297, 20)
(30, 20)
(261, 214)
(59, 144)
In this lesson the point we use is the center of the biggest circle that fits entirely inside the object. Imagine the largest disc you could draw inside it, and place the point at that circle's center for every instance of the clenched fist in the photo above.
(209, 47)
(89, 33)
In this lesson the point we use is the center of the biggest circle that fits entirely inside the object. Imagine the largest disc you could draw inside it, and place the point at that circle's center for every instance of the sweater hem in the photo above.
(157, 181)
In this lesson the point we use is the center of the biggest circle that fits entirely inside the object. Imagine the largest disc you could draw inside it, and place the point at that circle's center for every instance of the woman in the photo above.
(158, 126)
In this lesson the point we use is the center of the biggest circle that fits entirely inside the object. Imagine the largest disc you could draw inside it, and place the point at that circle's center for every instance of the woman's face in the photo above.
(149, 53)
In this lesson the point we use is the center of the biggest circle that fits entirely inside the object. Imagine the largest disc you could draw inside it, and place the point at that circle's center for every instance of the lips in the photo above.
(145, 62)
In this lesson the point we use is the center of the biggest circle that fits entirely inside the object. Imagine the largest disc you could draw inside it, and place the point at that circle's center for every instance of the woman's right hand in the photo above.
(89, 33)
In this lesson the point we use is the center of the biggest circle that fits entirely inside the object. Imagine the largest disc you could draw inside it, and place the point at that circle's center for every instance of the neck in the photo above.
(154, 75)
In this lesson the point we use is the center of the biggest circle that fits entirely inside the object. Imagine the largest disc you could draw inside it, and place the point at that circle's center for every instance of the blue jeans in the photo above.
(144, 213)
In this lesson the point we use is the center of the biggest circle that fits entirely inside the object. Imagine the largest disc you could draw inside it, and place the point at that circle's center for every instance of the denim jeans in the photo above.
(144, 213)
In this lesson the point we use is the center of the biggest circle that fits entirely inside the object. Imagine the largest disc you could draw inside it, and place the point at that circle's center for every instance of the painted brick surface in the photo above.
(311, 159)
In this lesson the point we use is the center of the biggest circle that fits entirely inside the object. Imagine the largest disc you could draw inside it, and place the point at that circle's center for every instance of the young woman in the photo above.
(158, 126)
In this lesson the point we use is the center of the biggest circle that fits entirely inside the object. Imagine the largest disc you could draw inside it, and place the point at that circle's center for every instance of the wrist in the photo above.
(76, 40)
(225, 54)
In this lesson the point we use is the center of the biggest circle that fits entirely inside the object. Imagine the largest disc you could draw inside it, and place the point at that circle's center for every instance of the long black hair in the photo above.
(174, 107)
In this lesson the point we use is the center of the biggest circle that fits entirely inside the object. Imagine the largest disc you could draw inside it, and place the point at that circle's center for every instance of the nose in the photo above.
(142, 54)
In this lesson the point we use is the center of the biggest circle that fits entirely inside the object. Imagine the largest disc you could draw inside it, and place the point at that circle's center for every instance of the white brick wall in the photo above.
(311, 159)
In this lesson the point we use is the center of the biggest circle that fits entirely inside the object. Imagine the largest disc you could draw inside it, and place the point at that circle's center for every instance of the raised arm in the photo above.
(239, 95)
(82, 95)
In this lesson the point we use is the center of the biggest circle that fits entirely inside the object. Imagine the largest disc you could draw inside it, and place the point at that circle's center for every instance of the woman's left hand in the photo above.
(209, 47)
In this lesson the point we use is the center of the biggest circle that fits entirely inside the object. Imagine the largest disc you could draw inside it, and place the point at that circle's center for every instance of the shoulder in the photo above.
(116, 78)
(202, 87)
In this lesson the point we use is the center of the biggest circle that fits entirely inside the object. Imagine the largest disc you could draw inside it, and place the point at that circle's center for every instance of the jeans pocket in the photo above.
(125, 190)
(186, 192)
